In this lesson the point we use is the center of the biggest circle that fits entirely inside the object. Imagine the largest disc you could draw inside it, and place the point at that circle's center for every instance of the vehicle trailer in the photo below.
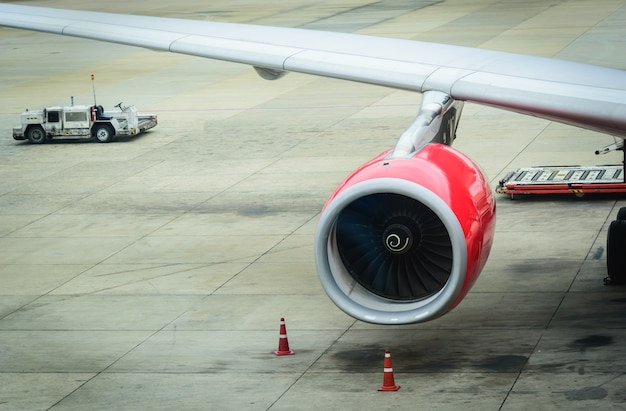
(578, 180)
(82, 122)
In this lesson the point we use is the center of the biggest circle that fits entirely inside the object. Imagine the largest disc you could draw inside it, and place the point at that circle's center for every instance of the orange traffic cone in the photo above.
(388, 381)
(283, 342)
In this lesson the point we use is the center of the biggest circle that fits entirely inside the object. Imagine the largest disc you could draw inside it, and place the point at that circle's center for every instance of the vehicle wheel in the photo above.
(104, 133)
(621, 214)
(615, 252)
(36, 135)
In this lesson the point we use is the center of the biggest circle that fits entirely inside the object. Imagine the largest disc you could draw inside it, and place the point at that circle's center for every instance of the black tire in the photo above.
(616, 252)
(104, 133)
(621, 214)
(36, 135)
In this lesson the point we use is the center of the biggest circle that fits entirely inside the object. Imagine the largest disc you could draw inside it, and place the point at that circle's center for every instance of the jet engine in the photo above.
(402, 240)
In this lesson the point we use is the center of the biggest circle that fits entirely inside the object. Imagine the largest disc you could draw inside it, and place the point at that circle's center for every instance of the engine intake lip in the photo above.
(355, 299)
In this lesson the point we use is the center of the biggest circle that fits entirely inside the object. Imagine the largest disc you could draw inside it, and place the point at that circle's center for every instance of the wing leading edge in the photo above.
(583, 95)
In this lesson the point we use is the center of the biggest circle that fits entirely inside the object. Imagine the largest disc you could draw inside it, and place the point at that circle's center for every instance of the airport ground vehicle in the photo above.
(82, 122)
(578, 180)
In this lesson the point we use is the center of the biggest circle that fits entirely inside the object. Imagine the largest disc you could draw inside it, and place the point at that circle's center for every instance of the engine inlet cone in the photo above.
(398, 239)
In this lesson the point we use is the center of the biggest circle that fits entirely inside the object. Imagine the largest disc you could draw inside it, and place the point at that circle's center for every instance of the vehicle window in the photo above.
(53, 116)
(76, 116)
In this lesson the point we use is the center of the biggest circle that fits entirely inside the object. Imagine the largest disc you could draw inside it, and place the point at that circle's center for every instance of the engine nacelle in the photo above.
(402, 240)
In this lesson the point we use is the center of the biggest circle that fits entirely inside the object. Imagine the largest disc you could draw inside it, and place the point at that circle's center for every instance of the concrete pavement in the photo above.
(151, 273)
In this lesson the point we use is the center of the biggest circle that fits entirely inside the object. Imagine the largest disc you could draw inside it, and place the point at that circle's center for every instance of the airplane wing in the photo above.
(405, 236)
(582, 95)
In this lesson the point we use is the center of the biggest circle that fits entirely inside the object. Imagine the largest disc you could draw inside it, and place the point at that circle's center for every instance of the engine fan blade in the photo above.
(394, 246)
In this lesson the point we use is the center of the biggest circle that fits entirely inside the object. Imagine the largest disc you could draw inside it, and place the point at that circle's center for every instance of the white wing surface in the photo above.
(579, 94)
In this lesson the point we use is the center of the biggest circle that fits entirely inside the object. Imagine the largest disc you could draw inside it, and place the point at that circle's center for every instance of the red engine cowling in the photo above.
(402, 240)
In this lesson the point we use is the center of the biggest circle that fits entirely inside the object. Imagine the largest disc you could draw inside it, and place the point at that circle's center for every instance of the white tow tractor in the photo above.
(82, 122)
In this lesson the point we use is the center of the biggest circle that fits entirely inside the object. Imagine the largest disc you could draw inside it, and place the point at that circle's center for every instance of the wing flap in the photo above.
(575, 104)
(35, 22)
(364, 69)
(255, 54)
(149, 38)
(444, 78)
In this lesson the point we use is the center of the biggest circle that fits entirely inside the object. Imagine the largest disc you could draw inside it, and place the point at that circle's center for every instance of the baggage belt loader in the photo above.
(578, 180)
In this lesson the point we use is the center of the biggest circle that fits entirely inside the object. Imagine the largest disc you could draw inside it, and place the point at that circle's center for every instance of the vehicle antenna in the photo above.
(93, 87)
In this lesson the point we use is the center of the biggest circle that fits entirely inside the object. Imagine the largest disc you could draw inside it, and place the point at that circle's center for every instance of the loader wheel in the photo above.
(36, 135)
(615, 252)
(104, 133)
(621, 214)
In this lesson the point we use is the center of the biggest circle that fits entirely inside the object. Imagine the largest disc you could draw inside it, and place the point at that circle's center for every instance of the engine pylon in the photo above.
(283, 342)
(389, 383)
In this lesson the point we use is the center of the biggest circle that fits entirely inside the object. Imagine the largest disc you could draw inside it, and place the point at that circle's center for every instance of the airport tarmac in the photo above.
(151, 273)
